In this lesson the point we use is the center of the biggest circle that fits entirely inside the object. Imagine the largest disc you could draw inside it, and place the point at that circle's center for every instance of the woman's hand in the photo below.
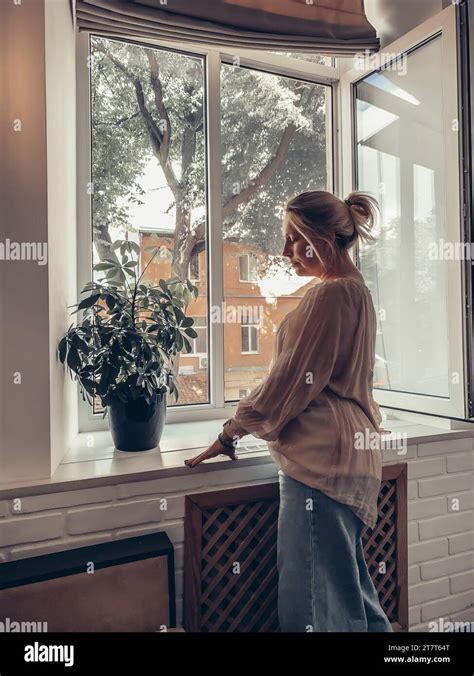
(216, 449)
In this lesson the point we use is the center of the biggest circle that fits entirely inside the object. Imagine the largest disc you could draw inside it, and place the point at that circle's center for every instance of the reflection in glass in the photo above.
(400, 159)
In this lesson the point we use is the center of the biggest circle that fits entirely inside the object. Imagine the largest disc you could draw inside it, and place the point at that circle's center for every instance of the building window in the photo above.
(199, 344)
(248, 268)
(244, 392)
(193, 269)
(249, 333)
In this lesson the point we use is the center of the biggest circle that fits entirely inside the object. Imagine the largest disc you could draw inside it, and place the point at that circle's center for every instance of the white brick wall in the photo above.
(440, 522)
(441, 558)
(41, 524)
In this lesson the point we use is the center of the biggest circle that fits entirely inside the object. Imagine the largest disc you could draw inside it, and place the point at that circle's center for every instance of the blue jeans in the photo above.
(324, 583)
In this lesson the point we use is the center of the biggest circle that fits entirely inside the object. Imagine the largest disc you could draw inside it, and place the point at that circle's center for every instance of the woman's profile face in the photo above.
(299, 253)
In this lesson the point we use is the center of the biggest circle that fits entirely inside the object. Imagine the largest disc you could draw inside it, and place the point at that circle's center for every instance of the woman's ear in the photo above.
(324, 250)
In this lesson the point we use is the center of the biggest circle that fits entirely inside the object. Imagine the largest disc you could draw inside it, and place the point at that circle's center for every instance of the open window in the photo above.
(400, 128)
(193, 151)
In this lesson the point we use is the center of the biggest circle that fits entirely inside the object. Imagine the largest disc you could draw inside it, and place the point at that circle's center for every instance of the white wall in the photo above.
(393, 18)
(60, 58)
(37, 179)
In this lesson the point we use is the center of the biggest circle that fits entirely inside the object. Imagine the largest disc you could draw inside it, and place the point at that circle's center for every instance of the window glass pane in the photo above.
(194, 268)
(245, 344)
(244, 268)
(400, 151)
(201, 340)
(253, 338)
(275, 145)
(252, 268)
(149, 170)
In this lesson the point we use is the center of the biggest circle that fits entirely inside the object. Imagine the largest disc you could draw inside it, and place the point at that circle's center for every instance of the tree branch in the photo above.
(265, 175)
(160, 106)
(155, 134)
(118, 122)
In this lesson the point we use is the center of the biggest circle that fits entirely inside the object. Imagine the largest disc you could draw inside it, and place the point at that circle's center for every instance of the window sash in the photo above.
(456, 405)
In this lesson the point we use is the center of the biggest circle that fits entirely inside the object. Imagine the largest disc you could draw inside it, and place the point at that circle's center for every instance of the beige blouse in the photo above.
(317, 398)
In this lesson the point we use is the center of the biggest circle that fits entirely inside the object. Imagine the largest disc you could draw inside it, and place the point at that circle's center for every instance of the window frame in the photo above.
(340, 180)
(275, 64)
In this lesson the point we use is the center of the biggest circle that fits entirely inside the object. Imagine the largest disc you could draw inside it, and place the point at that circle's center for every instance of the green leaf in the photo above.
(104, 266)
(62, 349)
(73, 359)
(88, 302)
(80, 344)
(89, 286)
(89, 385)
(180, 316)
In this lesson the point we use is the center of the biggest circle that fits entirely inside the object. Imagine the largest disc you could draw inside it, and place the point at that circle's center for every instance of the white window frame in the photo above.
(340, 181)
(273, 63)
(445, 25)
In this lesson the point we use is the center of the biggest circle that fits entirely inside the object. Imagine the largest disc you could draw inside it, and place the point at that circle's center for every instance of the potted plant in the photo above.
(122, 351)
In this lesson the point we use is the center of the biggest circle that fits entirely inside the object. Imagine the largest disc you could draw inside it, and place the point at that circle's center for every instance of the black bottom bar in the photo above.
(410, 653)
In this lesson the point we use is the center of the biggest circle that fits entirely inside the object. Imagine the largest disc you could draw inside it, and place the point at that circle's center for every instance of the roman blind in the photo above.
(333, 27)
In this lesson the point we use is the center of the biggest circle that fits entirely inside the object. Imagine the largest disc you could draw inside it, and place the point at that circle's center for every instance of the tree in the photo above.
(151, 102)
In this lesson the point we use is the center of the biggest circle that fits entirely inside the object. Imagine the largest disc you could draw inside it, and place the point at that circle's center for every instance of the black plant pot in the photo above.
(136, 425)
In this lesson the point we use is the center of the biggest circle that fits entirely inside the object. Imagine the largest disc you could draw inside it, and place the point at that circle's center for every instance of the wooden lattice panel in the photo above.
(230, 572)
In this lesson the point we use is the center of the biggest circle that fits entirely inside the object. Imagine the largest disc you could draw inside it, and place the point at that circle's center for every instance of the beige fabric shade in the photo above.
(335, 27)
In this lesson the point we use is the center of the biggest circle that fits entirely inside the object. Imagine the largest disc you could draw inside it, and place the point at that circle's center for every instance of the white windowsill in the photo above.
(87, 465)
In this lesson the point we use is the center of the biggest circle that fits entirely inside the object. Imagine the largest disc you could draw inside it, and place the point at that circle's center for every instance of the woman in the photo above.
(316, 410)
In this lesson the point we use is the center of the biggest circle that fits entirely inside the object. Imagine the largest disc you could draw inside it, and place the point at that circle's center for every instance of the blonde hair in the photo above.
(316, 214)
